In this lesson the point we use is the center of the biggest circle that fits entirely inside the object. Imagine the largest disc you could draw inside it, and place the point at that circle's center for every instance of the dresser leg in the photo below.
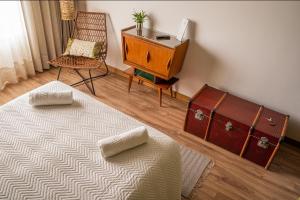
(140, 82)
(159, 95)
(171, 92)
(129, 82)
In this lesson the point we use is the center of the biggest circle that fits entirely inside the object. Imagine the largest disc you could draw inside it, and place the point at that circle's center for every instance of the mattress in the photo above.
(50, 152)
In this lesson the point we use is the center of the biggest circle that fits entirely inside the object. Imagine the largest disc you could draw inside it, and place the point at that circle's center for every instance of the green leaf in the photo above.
(139, 17)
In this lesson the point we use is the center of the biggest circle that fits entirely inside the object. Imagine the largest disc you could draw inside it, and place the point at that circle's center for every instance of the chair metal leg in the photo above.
(94, 77)
(106, 71)
(92, 82)
(85, 81)
(91, 78)
(58, 73)
(105, 66)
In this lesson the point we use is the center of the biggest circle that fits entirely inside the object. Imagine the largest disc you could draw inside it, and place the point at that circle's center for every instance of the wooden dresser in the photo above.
(160, 58)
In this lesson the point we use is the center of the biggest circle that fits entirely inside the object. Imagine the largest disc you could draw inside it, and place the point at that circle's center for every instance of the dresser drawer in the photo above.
(148, 55)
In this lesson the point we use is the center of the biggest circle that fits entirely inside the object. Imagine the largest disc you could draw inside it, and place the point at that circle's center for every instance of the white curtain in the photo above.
(15, 55)
(29, 38)
(42, 20)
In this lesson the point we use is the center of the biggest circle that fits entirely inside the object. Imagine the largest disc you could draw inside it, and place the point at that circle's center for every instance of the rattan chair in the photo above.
(89, 26)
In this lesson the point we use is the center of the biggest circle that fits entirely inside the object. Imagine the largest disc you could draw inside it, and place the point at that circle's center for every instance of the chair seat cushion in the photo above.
(76, 47)
(76, 62)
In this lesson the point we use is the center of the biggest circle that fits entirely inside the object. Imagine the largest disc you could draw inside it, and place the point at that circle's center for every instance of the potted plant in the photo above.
(139, 18)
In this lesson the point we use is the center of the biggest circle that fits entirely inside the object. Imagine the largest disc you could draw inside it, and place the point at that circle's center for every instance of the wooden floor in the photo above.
(230, 178)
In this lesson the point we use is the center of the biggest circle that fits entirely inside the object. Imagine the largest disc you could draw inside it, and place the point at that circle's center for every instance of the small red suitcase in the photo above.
(264, 142)
(200, 110)
(232, 122)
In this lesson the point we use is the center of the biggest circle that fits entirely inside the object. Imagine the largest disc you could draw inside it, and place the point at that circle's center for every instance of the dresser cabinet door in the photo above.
(159, 59)
(135, 51)
(154, 58)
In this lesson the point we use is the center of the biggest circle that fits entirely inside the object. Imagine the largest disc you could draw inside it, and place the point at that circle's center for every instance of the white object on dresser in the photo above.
(183, 26)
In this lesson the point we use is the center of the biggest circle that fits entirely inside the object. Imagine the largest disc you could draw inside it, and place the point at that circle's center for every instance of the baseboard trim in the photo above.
(292, 142)
(177, 95)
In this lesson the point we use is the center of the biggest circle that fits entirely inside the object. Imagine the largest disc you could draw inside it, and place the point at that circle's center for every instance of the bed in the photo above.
(50, 152)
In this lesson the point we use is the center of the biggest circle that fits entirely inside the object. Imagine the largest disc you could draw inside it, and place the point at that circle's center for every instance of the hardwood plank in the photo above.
(230, 178)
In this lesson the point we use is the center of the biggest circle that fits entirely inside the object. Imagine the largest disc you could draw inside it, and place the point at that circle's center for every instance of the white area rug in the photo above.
(193, 165)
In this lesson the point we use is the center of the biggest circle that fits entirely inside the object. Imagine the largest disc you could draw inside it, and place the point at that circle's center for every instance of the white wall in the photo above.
(251, 49)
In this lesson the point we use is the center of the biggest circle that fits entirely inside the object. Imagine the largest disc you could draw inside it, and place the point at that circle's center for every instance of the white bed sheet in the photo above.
(50, 152)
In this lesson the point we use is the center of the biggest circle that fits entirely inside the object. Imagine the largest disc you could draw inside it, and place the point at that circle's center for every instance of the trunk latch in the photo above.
(199, 114)
(263, 142)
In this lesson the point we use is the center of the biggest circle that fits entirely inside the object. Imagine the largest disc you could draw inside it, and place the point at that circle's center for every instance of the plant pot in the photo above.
(139, 26)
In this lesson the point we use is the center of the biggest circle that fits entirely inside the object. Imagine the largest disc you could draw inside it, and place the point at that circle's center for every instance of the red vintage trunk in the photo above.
(200, 110)
(240, 126)
(264, 141)
(232, 123)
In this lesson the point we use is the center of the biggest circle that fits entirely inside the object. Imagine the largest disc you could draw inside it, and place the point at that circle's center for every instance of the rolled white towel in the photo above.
(50, 98)
(113, 145)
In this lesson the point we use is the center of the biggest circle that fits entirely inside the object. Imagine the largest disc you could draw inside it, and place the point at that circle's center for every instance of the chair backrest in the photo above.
(91, 26)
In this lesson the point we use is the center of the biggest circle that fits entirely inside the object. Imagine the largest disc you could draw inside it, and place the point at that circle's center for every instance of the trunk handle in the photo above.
(271, 121)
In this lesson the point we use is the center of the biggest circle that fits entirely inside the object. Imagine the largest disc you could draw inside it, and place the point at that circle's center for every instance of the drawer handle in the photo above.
(148, 56)
(169, 64)
(228, 126)
(126, 48)
(271, 121)
(263, 142)
(199, 115)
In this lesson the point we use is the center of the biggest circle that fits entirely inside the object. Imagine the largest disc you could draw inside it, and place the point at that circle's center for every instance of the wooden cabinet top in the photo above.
(150, 35)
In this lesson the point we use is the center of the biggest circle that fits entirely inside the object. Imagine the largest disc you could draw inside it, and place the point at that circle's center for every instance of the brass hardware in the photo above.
(271, 122)
(270, 119)
(263, 142)
(199, 115)
(228, 126)
(148, 56)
